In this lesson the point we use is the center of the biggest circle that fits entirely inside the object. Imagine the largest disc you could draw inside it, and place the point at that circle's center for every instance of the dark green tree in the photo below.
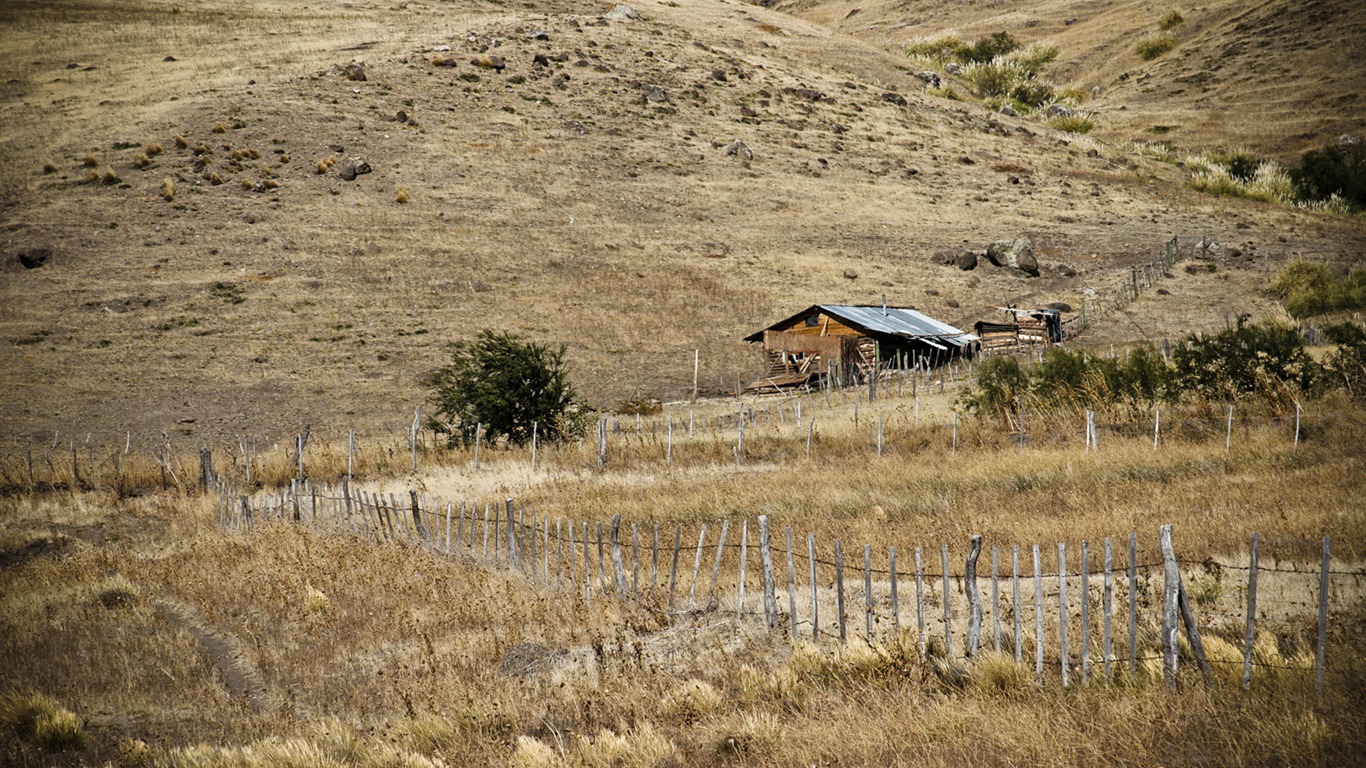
(507, 385)
(1244, 360)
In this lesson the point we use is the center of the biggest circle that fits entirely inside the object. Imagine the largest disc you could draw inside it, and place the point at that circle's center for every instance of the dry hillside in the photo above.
(214, 270)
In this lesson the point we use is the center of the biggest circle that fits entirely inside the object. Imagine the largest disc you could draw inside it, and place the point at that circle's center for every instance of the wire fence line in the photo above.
(1085, 612)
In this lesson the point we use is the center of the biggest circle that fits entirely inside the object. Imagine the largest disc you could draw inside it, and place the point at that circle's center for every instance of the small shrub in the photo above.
(987, 49)
(998, 674)
(220, 128)
(1172, 20)
(692, 701)
(168, 189)
(180, 142)
(153, 149)
(1076, 122)
(641, 745)
(940, 48)
(43, 721)
(1332, 171)
(1244, 360)
(1345, 366)
(215, 179)
(49, 167)
(401, 195)
(1035, 56)
(110, 177)
(1152, 46)
(90, 161)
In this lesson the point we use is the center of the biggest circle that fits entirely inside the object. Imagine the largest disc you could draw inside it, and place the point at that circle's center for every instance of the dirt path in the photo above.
(239, 675)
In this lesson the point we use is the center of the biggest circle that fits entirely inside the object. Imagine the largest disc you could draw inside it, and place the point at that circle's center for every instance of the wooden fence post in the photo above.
(1171, 573)
(815, 589)
(868, 591)
(839, 589)
(1038, 615)
(654, 559)
(206, 476)
(572, 569)
(1133, 603)
(716, 567)
(920, 594)
(1019, 606)
(1251, 611)
(635, 558)
(744, 557)
(697, 565)
(766, 559)
(673, 572)
(1085, 613)
(974, 599)
(1062, 610)
(1108, 606)
(602, 560)
(948, 607)
(791, 578)
(587, 566)
(617, 568)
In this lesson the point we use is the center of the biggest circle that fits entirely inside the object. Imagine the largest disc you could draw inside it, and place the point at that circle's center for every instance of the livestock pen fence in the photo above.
(1073, 613)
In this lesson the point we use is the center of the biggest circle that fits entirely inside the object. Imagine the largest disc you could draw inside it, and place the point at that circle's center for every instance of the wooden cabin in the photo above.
(845, 343)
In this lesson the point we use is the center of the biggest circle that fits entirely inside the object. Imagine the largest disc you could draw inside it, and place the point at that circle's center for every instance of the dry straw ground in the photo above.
(262, 290)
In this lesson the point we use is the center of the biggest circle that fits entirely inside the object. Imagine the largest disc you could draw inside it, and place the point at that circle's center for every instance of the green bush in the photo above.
(1076, 122)
(1152, 46)
(1308, 288)
(1244, 360)
(507, 385)
(1002, 385)
(1171, 20)
(1332, 170)
(1346, 366)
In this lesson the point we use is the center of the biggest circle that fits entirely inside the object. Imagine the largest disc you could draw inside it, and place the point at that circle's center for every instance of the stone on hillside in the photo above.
(1347, 141)
(486, 61)
(1066, 271)
(623, 13)
(942, 257)
(739, 149)
(1059, 306)
(354, 71)
(966, 261)
(1008, 111)
(953, 68)
(1058, 110)
(653, 92)
(850, 273)
(891, 97)
(34, 257)
(1017, 253)
(930, 78)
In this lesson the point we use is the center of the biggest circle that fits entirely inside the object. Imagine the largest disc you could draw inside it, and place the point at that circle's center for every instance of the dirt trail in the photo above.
(239, 675)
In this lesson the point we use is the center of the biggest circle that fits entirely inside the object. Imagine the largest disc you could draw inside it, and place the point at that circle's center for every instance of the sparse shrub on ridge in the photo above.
(1308, 288)
(43, 721)
(1172, 20)
(1150, 47)
(1334, 170)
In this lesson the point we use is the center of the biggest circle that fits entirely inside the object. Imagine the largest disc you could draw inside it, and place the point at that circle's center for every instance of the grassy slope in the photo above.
(569, 210)
(1279, 76)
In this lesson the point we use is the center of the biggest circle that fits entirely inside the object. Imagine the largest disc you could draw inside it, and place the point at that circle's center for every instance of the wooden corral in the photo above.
(848, 342)
(1021, 329)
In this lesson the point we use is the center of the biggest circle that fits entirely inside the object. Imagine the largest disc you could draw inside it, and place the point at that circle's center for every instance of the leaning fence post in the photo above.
(1320, 659)
(673, 572)
(995, 599)
(974, 600)
(617, 569)
(716, 567)
(697, 565)
(1171, 592)
(839, 588)
(766, 558)
(1251, 610)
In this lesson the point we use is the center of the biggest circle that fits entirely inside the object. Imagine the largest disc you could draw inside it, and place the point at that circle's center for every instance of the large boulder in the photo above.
(966, 261)
(1017, 253)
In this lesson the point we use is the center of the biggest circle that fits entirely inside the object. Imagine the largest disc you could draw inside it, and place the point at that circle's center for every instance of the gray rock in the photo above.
(953, 68)
(347, 172)
(930, 78)
(1066, 271)
(891, 97)
(622, 13)
(966, 261)
(739, 149)
(354, 71)
(1059, 306)
(1009, 111)
(1058, 110)
(850, 273)
(1017, 253)
(653, 93)
(35, 257)
(1347, 141)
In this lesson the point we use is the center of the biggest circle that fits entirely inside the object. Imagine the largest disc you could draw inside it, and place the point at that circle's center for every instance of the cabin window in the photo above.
(813, 321)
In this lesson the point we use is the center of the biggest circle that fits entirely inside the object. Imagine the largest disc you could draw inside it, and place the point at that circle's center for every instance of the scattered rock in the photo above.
(1347, 141)
(1069, 21)
(965, 160)
(1009, 111)
(445, 61)
(931, 292)
(540, 60)
(538, 34)
(953, 68)
(942, 257)
(891, 97)
(850, 273)
(838, 129)
(1066, 271)
(486, 61)
(35, 257)
(1163, 292)
(973, 281)
(574, 126)
(951, 303)
(930, 78)
(1205, 268)
(354, 72)
(653, 93)
(714, 250)
(1017, 253)
(739, 149)
(966, 261)
(357, 167)
(622, 13)
(401, 117)
(718, 75)
(1058, 110)
(441, 49)
(810, 94)
(170, 58)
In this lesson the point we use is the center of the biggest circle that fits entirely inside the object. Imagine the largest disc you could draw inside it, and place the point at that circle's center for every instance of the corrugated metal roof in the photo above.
(899, 321)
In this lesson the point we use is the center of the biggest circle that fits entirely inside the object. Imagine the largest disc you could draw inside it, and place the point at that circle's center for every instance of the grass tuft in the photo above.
(1172, 20)
(1077, 122)
(1150, 47)
(180, 142)
(401, 195)
(153, 149)
(43, 721)
(220, 128)
(168, 189)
